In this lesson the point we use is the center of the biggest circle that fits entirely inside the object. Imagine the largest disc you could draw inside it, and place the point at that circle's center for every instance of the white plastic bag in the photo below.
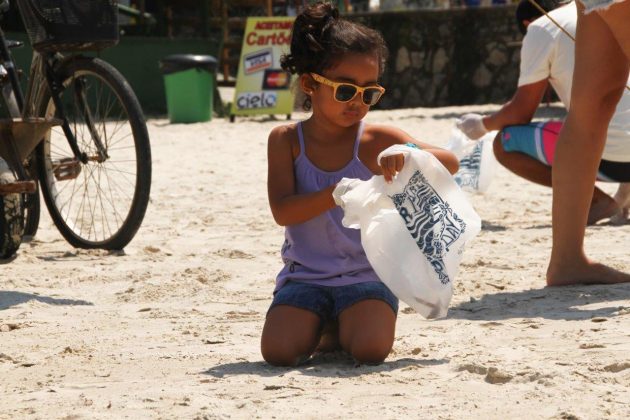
(413, 230)
(477, 163)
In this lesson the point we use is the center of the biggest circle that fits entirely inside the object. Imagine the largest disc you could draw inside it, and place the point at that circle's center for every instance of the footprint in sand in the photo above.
(586, 346)
(617, 367)
(234, 254)
(151, 249)
(473, 368)
(241, 315)
(6, 358)
(204, 276)
(496, 376)
(493, 375)
(9, 327)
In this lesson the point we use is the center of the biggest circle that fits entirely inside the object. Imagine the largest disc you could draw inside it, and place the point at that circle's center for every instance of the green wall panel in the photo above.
(137, 58)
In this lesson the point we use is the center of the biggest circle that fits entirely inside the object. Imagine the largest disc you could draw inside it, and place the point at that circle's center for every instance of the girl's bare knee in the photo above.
(282, 350)
(370, 349)
(371, 354)
(277, 355)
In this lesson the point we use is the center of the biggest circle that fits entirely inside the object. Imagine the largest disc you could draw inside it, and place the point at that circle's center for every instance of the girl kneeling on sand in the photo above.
(327, 279)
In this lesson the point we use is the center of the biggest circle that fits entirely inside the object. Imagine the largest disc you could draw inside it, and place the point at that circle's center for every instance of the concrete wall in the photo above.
(437, 57)
(448, 56)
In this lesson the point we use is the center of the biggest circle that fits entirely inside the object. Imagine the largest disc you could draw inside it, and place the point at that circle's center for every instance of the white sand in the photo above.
(171, 328)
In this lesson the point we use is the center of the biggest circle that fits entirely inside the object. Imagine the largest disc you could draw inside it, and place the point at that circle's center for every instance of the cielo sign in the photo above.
(262, 87)
(256, 100)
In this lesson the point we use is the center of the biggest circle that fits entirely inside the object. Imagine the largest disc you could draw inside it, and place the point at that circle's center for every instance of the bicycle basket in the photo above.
(70, 25)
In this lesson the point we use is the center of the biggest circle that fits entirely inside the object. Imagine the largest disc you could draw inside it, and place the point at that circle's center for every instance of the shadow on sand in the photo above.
(9, 299)
(550, 303)
(336, 364)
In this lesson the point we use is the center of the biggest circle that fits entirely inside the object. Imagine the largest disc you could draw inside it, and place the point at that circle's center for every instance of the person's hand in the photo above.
(472, 125)
(342, 187)
(391, 165)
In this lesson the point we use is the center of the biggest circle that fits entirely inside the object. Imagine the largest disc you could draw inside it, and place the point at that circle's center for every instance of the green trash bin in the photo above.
(189, 83)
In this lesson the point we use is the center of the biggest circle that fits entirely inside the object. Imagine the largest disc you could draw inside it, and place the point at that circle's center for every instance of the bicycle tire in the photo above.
(135, 170)
(32, 206)
(12, 217)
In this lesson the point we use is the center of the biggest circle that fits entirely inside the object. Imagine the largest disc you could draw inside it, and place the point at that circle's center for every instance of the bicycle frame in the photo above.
(42, 78)
(12, 92)
(96, 201)
(13, 98)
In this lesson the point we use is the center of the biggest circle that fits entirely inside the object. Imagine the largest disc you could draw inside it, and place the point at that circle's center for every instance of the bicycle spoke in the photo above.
(94, 196)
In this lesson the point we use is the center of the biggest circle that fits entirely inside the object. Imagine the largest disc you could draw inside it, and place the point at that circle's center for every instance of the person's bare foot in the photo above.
(602, 207)
(622, 197)
(585, 272)
(329, 340)
(620, 218)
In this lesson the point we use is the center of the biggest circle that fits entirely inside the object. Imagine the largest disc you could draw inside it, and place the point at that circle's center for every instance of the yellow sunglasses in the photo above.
(345, 92)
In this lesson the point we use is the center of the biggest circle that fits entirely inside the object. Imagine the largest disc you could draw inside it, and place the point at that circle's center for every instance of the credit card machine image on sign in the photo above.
(262, 87)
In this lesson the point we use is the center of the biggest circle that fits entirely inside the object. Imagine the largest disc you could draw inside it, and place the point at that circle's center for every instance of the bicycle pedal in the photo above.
(16, 187)
(66, 168)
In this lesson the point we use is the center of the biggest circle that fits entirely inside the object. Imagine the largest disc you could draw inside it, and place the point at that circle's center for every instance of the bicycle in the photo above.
(78, 134)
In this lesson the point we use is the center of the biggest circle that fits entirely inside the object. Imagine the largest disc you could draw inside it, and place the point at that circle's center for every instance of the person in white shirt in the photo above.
(528, 149)
(596, 127)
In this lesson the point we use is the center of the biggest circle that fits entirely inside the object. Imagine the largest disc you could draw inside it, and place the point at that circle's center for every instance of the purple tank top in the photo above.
(321, 250)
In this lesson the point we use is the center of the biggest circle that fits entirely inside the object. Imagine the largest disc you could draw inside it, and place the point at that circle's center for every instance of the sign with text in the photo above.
(262, 87)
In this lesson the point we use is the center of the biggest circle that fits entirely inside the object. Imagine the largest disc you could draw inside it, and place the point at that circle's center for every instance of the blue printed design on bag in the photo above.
(469, 167)
(430, 221)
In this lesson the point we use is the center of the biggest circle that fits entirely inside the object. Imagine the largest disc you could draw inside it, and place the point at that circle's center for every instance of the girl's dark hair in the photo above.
(320, 38)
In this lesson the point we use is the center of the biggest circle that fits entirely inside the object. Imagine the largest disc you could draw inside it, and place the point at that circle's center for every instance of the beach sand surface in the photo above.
(170, 328)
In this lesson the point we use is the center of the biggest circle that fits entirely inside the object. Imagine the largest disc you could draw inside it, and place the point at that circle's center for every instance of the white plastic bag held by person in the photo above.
(413, 230)
(477, 163)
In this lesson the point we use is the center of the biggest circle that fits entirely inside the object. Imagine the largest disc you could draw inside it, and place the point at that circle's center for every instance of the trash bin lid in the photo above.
(181, 62)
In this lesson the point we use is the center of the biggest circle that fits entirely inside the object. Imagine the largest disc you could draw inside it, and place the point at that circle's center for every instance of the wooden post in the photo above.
(205, 17)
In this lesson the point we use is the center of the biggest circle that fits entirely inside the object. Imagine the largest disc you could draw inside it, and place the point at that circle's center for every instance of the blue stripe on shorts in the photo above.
(525, 139)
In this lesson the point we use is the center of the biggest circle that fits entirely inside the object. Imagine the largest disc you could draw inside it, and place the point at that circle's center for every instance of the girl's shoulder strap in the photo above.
(357, 141)
(301, 138)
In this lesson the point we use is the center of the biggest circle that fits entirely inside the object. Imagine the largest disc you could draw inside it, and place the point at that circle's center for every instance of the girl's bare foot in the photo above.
(583, 272)
(329, 340)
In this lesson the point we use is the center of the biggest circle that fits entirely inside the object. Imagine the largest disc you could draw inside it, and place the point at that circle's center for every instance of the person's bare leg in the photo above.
(289, 336)
(367, 329)
(602, 206)
(617, 17)
(600, 75)
(522, 164)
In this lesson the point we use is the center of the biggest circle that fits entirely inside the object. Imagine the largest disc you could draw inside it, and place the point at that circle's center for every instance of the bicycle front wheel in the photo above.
(98, 200)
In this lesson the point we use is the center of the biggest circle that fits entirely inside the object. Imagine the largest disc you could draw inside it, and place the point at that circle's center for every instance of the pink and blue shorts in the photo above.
(593, 5)
(538, 140)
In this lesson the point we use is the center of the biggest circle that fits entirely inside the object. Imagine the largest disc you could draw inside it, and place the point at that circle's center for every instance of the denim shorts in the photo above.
(329, 301)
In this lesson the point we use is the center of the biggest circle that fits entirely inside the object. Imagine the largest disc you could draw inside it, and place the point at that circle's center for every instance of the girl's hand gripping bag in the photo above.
(413, 230)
